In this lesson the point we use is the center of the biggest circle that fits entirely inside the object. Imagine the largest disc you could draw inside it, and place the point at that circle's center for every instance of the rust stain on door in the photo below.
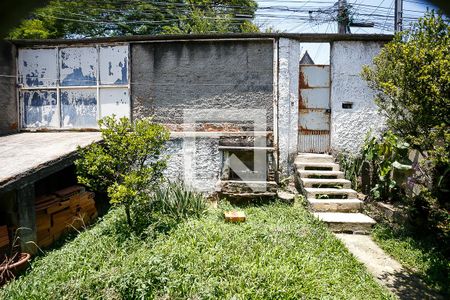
(314, 108)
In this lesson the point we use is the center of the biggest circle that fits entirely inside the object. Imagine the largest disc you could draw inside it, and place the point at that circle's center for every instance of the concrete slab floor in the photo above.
(25, 152)
(385, 269)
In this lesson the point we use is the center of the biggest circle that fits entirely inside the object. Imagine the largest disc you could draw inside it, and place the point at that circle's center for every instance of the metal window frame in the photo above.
(58, 88)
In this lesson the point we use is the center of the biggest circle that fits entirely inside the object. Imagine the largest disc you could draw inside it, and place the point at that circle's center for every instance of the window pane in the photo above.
(78, 66)
(37, 67)
(39, 108)
(114, 101)
(114, 65)
(79, 108)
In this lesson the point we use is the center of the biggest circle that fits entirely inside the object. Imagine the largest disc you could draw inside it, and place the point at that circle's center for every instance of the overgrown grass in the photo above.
(417, 253)
(281, 252)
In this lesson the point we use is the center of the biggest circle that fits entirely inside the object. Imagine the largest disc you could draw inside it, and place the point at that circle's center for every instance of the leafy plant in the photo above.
(411, 78)
(87, 18)
(128, 163)
(351, 165)
(178, 202)
(385, 153)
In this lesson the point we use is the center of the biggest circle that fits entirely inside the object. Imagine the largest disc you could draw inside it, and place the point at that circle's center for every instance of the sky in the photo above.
(319, 16)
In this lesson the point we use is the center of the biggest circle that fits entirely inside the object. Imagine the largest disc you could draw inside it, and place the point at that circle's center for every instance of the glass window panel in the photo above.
(39, 108)
(79, 108)
(37, 67)
(78, 66)
(114, 101)
(114, 65)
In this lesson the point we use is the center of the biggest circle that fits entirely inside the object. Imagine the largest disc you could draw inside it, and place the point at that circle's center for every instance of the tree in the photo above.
(411, 77)
(127, 164)
(87, 18)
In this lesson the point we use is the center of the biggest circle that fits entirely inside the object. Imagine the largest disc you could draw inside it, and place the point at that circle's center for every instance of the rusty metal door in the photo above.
(314, 109)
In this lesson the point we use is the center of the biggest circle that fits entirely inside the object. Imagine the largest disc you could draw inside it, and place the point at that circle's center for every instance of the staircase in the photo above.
(329, 195)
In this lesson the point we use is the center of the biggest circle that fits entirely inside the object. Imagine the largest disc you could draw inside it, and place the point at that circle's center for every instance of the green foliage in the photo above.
(280, 252)
(419, 253)
(30, 29)
(411, 76)
(177, 201)
(384, 154)
(351, 165)
(68, 19)
(127, 164)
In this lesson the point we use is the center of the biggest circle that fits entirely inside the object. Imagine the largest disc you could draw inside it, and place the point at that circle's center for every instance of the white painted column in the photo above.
(288, 75)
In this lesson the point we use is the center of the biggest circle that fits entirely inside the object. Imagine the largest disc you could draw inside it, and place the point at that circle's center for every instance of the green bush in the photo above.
(177, 201)
(411, 78)
(127, 164)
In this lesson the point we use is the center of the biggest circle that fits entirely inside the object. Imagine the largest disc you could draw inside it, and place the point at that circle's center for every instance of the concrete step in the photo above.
(313, 192)
(346, 222)
(314, 182)
(318, 174)
(335, 205)
(316, 166)
(314, 157)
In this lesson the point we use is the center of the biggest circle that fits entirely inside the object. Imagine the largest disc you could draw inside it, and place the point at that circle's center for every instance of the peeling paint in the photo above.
(114, 65)
(79, 108)
(78, 66)
(115, 101)
(314, 105)
(40, 109)
(37, 67)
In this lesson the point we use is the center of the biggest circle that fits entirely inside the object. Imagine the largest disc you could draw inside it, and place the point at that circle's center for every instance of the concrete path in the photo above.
(387, 270)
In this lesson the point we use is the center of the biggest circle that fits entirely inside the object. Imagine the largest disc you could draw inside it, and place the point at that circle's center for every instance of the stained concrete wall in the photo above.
(204, 171)
(350, 126)
(288, 75)
(8, 103)
(227, 75)
(172, 76)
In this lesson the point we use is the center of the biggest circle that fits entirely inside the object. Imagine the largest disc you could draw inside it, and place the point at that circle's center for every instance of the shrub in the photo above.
(128, 164)
(177, 201)
(411, 78)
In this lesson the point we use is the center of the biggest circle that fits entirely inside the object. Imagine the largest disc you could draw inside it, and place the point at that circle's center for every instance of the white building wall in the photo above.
(288, 76)
(349, 127)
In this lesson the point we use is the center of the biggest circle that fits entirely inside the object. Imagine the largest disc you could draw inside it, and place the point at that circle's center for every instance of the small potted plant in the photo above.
(14, 262)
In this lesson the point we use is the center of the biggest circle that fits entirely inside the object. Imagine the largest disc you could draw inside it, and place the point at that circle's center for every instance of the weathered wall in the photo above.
(172, 76)
(8, 102)
(350, 126)
(168, 78)
(205, 167)
(288, 74)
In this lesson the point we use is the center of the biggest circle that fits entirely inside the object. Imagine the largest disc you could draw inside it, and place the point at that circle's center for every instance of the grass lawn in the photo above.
(281, 252)
(419, 254)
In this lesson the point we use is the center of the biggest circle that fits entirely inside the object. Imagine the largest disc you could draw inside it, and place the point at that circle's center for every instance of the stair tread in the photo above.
(339, 217)
(330, 190)
(316, 164)
(314, 154)
(324, 180)
(321, 172)
(310, 157)
(332, 200)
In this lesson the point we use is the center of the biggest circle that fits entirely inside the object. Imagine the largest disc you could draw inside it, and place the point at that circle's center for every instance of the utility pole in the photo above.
(343, 18)
(398, 15)
(344, 21)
